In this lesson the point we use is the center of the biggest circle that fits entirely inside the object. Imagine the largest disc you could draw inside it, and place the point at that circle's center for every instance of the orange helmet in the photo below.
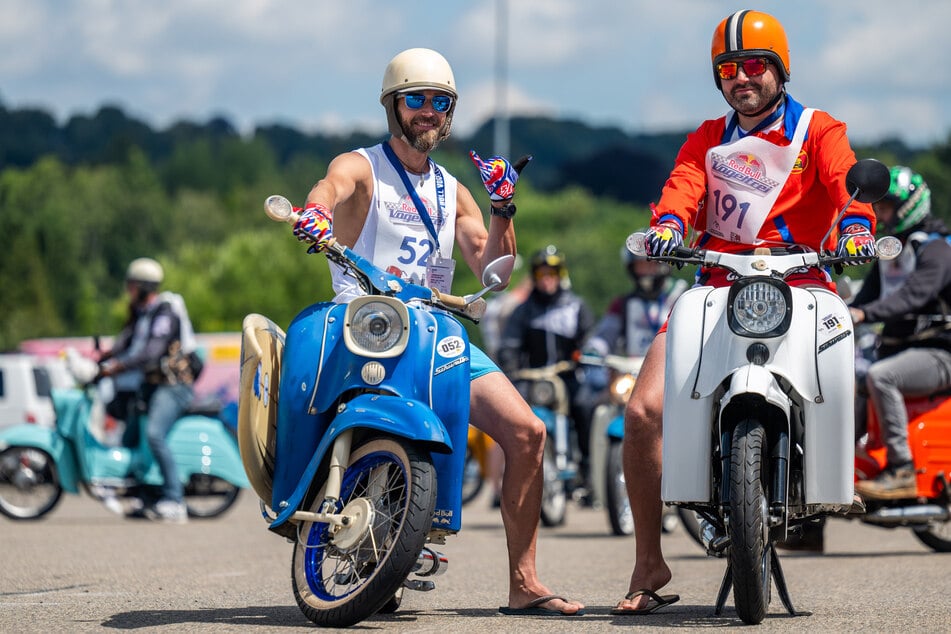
(750, 33)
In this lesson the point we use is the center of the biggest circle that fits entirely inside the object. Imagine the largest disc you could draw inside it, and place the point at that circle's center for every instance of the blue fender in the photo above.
(204, 445)
(405, 418)
(50, 441)
(616, 428)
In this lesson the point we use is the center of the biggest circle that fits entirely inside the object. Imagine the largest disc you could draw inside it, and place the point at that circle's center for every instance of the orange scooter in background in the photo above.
(929, 436)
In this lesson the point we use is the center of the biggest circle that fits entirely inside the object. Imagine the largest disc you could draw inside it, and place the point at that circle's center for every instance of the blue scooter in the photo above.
(38, 463)
(352, 427)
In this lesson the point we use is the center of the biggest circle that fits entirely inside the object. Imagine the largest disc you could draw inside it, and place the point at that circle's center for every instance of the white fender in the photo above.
(755, 379)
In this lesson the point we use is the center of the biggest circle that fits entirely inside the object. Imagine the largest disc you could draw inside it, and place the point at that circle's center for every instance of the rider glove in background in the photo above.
(663, 238)
(856, 242)
(314, 226)
(498, 175)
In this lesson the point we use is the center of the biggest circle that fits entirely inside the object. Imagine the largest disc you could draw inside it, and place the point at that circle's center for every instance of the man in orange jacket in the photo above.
(768, 173)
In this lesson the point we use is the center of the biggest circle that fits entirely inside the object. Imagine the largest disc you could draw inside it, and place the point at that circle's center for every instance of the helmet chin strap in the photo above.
(772, 104)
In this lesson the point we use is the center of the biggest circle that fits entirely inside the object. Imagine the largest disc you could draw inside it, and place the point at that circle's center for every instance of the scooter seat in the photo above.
(205, 406)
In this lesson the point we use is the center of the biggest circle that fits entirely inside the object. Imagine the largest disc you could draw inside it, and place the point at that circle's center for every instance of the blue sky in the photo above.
(881, 66)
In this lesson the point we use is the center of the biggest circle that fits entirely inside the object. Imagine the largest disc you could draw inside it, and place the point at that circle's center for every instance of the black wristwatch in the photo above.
(505, 211)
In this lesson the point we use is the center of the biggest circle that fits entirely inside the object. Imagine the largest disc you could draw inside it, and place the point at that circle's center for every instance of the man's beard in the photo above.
(752, 102)
(424, 142)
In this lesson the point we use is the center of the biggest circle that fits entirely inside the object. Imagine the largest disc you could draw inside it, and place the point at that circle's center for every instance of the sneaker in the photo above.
(891, 484)
(168, 511)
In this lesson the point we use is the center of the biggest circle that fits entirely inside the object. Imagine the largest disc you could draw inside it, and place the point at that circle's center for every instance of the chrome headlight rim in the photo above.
(376, 326)
(774, 313)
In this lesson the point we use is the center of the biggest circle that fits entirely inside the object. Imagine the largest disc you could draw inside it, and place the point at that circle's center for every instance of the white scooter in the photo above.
(758, 428)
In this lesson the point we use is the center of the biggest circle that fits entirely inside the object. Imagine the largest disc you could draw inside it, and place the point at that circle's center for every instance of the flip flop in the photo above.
(532, 608)
(656, 602)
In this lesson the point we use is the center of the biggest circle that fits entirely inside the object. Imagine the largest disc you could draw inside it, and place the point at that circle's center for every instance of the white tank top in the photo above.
(394, 237)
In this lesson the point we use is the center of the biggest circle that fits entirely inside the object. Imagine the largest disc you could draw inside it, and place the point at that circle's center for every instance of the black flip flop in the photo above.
(656, 602)
(532, 608)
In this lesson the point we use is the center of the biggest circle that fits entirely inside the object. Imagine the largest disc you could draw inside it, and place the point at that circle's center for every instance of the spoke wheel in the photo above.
(29, 484)
(616, 499)
(554, 496)
(340, 579)
(209, 496)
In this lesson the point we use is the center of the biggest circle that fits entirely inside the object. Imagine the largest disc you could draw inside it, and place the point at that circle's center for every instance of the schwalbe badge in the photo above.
(450, 347)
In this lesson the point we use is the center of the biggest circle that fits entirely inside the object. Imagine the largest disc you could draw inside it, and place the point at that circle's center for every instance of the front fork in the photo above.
(339, 458)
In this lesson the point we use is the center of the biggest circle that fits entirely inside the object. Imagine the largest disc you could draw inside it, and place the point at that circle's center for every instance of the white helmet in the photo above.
(145, 270)
(421, 69)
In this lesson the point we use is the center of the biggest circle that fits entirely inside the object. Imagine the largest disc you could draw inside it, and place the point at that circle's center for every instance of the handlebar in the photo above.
(372, 279)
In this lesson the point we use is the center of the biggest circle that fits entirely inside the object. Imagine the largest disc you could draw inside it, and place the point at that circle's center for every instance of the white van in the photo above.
(25, 383)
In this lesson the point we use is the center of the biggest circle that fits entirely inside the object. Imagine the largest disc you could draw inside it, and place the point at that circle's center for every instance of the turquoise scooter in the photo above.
(38, 463)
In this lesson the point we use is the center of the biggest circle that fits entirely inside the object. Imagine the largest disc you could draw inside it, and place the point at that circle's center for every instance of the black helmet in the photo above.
(651, 284)
(551, 257)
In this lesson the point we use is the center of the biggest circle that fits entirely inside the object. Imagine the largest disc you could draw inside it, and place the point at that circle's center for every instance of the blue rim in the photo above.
(317, 553)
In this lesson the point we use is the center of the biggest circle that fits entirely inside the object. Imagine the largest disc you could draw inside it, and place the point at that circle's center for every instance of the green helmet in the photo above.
(911, 196)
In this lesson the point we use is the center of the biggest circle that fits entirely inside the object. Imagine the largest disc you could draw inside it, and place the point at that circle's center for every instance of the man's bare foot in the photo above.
(655, 580)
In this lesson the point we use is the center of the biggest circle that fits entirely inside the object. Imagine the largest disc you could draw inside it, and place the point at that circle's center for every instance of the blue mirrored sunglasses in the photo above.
(415, 101)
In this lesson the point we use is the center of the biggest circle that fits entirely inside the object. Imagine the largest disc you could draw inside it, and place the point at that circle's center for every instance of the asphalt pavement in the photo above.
(83, 569)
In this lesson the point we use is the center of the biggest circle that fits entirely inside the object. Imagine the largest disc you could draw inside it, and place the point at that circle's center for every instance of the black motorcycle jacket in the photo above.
(918, 313)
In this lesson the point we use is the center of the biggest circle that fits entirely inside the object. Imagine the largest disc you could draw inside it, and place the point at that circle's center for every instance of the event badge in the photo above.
(439, 273)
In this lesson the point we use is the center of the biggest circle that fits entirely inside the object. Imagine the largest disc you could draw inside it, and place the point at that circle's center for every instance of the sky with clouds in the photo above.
(881, 66)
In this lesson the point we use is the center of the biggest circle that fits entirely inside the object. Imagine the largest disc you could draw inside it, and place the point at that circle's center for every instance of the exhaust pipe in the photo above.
(430, 563)
(906, 515)
(712, 541)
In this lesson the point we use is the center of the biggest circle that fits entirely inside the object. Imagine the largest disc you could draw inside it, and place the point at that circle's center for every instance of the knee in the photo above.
(529, 436)
(642, 416)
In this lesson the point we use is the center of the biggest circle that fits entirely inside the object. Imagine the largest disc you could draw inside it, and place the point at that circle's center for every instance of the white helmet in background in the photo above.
(419, 69)
(146, 272)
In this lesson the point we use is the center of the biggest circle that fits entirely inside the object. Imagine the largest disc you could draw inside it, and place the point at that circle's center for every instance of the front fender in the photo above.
(755, 379)
(49, 441)
(393, 415)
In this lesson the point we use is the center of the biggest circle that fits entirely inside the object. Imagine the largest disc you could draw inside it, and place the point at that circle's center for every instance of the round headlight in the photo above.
(376, 327)
(759, 307)
(542, 393)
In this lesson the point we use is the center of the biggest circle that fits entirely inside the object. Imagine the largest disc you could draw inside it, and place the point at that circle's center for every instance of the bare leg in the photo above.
(642, 469)
(499, 410)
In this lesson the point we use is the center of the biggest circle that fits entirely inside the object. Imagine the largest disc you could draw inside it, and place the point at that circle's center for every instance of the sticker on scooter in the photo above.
(450, 347)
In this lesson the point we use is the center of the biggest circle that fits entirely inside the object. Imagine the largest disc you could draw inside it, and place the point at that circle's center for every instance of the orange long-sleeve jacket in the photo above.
(807, 205)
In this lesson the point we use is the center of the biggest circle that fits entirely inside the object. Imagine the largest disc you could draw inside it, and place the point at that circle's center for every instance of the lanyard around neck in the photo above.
(420, 207)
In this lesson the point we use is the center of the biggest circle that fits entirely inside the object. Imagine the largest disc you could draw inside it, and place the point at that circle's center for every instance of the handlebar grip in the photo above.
(280, 209)
(452, 301)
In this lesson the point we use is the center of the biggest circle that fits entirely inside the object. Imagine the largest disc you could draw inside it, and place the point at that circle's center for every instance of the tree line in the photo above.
(78, 201)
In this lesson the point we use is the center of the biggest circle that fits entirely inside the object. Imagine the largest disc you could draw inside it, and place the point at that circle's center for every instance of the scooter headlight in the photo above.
(542, 393)
(760, 308)
(376, 327)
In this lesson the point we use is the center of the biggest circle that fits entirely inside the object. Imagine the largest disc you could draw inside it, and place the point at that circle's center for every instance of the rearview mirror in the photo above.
(868, 180)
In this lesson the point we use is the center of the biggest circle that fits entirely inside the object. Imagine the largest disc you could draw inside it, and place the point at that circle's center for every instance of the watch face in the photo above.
(506, 211)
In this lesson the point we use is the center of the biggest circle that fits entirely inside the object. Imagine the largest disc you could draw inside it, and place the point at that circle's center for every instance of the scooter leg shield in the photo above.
(262, 348)
(830, 424)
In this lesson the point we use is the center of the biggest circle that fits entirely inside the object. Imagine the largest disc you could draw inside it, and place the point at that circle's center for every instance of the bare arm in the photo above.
(479, 246)
(346, 190)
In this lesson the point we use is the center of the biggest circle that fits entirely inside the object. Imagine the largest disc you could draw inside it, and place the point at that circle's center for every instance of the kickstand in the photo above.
(725, 586)
(776, 571)
(780, 579)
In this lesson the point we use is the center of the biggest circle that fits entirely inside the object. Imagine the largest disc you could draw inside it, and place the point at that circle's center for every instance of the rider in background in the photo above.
(632, 320)
(156, 341)
(392, 204)
(911, 295)
(550, 327)
(719, 186)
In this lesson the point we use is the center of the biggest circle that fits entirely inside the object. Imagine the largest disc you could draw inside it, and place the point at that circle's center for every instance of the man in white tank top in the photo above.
(393, 205)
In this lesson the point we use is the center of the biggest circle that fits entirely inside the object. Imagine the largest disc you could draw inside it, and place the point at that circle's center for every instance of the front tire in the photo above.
(209, 496)
(554, 495)
(29, 484)
(748, 525)
(341, 579)
(616, 499)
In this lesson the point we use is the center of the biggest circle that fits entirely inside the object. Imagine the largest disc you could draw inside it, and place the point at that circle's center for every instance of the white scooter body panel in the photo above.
(815, 356)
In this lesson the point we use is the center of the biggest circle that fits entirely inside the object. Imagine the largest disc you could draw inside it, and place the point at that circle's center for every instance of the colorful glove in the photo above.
(856, 242)
(498, 175)
(663, 238)
(314, 226)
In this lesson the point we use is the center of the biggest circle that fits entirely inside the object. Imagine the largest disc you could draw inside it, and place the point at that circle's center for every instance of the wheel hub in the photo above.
(360, 514)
